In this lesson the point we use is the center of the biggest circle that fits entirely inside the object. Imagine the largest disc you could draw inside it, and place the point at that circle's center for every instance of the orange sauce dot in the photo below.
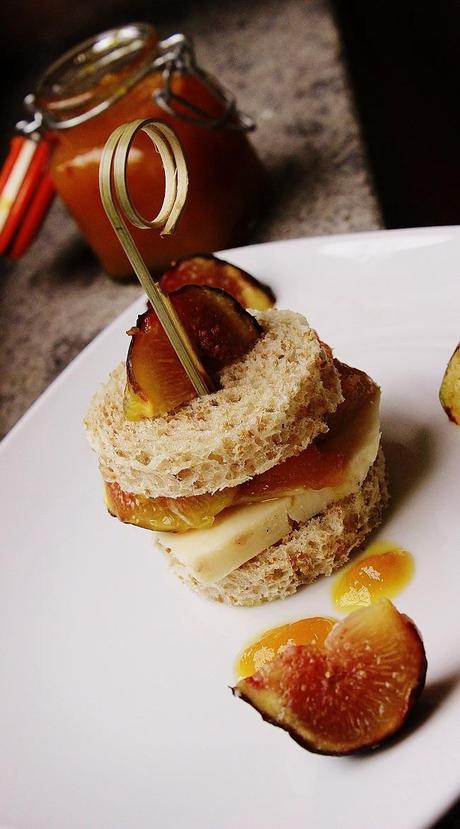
(383, 569)
(312, 631)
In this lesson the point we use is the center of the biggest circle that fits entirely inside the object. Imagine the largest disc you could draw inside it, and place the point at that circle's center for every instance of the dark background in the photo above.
(404, 61)
(403, 58)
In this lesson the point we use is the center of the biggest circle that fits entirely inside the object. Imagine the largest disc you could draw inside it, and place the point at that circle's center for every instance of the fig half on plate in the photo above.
(352, 692)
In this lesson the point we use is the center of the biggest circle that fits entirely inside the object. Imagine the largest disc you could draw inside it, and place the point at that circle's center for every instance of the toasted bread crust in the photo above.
(313, 549)
(272, 404)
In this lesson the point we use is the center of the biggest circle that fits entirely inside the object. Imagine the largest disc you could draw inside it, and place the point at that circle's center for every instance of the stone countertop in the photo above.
(284, 63)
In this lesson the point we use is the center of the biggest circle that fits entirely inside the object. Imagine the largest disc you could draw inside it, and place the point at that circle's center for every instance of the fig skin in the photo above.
(206, 269)
(220, 330)
(449, 393)
(276, 708)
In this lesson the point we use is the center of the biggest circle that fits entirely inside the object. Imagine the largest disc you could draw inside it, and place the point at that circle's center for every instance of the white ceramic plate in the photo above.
(115, 711)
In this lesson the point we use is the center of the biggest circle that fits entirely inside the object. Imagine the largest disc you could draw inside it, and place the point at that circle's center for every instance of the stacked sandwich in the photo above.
(261, 486)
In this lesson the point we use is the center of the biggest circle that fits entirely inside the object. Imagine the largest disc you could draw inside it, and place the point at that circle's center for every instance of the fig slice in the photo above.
(204, 269)
(352, 692)
(167, 514)
(449, 393)
(221, 332)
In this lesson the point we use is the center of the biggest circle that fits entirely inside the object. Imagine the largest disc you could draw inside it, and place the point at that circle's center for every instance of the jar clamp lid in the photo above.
(173, 55)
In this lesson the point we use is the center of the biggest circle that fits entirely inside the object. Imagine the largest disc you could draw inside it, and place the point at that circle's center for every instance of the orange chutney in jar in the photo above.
(115, 72)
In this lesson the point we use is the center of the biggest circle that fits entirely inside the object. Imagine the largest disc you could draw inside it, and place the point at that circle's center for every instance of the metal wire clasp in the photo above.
(113, 174)
(177, 54)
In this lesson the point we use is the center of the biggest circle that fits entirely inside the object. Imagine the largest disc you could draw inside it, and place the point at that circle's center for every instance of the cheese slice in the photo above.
(233, 539)
(241, 533)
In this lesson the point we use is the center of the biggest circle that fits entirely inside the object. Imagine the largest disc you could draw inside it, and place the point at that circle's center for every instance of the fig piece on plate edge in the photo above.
(449, 393)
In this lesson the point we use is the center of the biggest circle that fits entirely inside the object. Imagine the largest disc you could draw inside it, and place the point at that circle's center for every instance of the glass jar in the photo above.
(124, 74)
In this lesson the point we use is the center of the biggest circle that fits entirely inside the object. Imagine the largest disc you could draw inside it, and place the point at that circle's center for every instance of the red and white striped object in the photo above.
(26, 192)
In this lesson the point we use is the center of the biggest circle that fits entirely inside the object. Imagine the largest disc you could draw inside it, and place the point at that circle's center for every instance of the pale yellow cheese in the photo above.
(241, 533)
(233, 539)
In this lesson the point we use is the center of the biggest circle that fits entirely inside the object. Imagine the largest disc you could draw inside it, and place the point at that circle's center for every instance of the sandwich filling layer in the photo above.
(310, 550)
(241, 533)
(215, 533)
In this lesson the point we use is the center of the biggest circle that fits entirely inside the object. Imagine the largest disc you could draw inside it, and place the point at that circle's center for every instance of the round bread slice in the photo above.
(272, 404)
(313, 549)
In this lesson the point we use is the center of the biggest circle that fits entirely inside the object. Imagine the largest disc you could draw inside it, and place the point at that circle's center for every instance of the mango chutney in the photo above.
(383, 569)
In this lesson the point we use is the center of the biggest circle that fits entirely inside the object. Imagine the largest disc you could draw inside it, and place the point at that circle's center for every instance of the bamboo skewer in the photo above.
(113, 173)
